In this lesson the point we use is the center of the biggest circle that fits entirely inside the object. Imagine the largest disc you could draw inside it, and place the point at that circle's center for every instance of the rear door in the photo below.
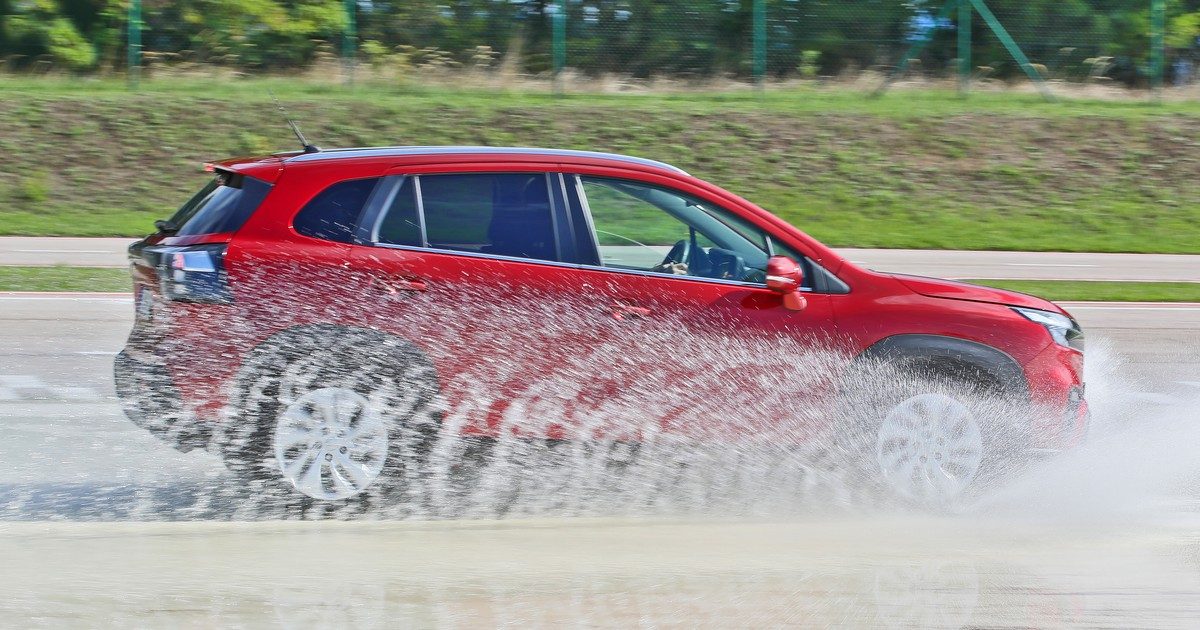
(479, 269)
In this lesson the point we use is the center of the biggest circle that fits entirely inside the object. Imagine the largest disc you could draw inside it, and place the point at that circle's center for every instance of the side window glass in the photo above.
(332, 214)
(505, 214)
(401, 224)
(648, 228)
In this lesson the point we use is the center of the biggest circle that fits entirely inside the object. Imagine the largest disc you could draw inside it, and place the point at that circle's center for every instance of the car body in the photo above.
(457, 257)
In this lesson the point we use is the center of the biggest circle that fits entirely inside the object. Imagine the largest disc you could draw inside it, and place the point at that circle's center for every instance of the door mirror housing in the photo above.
(785, 277)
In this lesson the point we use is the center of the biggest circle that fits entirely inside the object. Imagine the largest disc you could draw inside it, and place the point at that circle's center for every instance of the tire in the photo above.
(927, 437)
(329, 420)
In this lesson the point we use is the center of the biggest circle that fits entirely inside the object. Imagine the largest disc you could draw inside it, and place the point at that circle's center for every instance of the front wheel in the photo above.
(929, 447)
(929, 442)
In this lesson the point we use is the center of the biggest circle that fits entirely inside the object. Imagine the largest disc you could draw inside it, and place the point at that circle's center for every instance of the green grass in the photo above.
(908, 170)
(64, 279)
(1095, 291)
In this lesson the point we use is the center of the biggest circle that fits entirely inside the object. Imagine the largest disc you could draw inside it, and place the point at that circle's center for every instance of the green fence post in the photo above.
(134, 52)
(1158, 53)
(760, 42)
(349, 40)
(964, 48)
(558, 24)
(1013, 49)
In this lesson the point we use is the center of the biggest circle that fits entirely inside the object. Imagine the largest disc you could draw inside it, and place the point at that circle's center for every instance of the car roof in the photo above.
(410, 151)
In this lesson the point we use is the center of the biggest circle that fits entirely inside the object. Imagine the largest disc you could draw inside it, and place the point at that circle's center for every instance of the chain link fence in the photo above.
(785, 40)
(1133, 43)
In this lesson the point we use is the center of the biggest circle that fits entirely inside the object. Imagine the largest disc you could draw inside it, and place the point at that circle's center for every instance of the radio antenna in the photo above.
(308, 148)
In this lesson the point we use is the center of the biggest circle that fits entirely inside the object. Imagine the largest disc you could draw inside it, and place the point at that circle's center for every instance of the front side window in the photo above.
(503, 214)
(648, 228)
(333, 213)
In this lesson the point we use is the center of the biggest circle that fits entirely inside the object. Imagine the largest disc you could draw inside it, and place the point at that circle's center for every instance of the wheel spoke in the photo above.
(286, 439)
(344, 486)
(358, 473)
(293, 469)
(310, 482)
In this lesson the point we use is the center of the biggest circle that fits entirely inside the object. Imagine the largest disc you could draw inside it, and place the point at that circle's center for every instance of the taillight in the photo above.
(194, 274)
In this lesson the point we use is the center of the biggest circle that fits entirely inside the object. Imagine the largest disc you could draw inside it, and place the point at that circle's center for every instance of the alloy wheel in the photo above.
(929, 447)
(330, 443)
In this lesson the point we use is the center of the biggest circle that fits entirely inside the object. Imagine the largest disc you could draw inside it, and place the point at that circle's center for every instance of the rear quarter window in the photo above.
(333, 213)
(221, 206)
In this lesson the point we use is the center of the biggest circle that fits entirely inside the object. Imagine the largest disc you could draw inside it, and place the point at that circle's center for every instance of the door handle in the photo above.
(621, 311)
(397, 284)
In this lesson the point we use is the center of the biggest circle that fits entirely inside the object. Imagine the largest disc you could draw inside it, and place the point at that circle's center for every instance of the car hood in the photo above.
(953, 290)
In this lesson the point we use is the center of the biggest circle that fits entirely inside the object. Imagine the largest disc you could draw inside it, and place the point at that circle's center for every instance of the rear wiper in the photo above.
(165, 227)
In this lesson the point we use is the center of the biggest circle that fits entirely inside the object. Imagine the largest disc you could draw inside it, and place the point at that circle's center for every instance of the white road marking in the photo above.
(1046, 265)
(29, 387)
(63, 251)
(119, 298)
(20, 381)
(1155, 398)
(1135, 306)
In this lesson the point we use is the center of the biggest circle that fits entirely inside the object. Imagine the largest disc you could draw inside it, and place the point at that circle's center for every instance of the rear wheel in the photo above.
(330, 419)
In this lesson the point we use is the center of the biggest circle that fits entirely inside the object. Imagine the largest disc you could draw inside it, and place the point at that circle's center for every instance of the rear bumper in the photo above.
(151, 401)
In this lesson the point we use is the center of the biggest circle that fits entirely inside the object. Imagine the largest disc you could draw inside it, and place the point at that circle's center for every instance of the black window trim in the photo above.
(366, 233)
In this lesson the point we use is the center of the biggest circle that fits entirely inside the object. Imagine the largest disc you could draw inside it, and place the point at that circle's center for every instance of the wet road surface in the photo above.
(1108, 537)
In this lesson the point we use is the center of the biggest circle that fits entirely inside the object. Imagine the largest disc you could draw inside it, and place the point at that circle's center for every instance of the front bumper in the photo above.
(151, 401)
(1061, 415)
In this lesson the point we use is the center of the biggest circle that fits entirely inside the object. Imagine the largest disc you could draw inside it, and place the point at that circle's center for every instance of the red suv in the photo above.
(315, 317)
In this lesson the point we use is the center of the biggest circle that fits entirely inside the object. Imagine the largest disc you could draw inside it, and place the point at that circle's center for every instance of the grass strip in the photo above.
(1099, 291)
(913, 169)
(63, 278)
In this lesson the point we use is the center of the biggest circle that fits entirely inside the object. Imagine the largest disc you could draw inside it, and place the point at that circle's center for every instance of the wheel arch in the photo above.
(274, 352)
(951, 356)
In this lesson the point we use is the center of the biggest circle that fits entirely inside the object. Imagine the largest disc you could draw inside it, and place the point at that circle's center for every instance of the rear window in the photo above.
(221, 206)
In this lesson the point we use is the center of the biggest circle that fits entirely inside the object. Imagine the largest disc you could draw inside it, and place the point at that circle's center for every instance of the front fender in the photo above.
(952, 353)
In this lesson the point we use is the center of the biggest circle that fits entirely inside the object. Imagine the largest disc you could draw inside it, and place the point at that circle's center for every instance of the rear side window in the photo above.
(503, 214)
(333, 213)
(221, 206)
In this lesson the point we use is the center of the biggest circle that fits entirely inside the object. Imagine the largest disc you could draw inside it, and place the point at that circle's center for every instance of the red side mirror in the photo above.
(785, 277)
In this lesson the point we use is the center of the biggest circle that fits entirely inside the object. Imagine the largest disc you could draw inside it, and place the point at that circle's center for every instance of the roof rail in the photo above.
(402, 151)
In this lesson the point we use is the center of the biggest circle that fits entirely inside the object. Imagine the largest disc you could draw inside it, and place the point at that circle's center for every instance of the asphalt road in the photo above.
(1103, 538)
(110, 252)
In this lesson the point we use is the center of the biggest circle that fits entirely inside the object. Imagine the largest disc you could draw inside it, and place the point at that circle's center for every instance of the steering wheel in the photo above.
(680, 254)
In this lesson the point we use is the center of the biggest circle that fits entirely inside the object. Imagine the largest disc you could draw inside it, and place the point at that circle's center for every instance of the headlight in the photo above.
(1062, 329)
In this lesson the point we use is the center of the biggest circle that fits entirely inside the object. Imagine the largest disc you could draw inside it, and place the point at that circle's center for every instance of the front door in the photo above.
(707, 347)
